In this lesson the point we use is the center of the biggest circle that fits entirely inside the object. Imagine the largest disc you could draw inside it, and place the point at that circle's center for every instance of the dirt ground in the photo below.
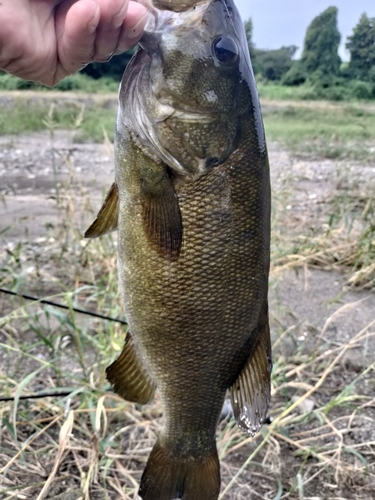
(31, 166)
(306, 304)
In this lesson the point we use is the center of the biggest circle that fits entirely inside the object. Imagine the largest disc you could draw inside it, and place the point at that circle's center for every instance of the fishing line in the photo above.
(62, 306)
(37, 396)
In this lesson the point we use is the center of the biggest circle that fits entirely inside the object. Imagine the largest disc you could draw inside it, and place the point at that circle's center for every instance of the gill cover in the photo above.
(178, 97)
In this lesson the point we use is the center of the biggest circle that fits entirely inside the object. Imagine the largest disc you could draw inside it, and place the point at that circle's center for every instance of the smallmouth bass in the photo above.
(191, 203)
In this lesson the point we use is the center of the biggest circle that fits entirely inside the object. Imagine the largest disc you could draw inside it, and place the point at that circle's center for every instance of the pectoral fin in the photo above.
(250, 394)
(161, 215)
(128, 377)
(107, 218)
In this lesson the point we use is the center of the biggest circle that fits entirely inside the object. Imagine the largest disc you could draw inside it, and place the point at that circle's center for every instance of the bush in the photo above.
(81, 82)
(297, 75)
(360, 89)
(371, 75)
(9, 82)
(114, 68)
(334, 93)
(320, 79)
(273, 64)
(77, 82)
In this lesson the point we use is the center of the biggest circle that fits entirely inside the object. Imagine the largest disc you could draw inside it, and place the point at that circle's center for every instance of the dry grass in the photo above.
(90, 444)
(331, 229)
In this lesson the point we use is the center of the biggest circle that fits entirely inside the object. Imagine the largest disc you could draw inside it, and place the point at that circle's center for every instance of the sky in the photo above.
(284, 22)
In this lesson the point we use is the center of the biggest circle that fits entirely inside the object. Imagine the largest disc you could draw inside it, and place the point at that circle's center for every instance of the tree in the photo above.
(273, 64)
(322, 40)
(320, 62)
(362, 49)
(249, 36)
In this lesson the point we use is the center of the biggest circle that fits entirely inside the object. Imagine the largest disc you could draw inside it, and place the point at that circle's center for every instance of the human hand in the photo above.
(46, 40)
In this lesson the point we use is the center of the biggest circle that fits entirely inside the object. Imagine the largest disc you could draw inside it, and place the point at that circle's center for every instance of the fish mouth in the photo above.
(191, 116)
(190, 113)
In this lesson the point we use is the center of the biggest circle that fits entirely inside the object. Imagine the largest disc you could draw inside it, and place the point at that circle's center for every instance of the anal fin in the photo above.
(129, 378)
(107, 218)
(250, 394)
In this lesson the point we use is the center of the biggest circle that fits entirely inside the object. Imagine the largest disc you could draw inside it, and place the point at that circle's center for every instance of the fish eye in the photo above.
(225, 49)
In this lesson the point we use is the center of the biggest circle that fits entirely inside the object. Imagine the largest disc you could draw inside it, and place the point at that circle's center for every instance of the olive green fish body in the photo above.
(193, 207)
(193, 316)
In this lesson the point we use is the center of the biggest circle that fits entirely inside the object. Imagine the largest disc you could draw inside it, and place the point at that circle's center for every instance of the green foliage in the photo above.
(320, 62)
(339, 131)
(371, 75)
(9, 82)
(273, 64)
(322, 41)
(360, 89)
(88, 123)
(296, 75)
(114, 68)
(80, 82)
(270, 64)
(249, 36)
(350, 91)
(76, 83)
(362, 49)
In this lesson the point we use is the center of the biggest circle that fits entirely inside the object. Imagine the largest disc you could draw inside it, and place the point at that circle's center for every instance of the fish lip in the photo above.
(200, 111)
(180, 110)
(193, 116)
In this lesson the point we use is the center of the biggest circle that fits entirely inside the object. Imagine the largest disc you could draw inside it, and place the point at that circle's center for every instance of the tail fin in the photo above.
(168, 477)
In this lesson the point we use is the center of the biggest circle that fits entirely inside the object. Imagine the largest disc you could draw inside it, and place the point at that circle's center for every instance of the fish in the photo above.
(191, 204)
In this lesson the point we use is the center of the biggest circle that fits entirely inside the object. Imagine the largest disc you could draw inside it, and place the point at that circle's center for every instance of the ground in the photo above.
(90, 444)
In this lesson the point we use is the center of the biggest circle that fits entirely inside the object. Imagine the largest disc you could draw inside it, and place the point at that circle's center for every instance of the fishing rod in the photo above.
(62, 306)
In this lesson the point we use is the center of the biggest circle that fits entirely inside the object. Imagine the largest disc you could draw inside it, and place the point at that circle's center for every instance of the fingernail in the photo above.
(136, 30)
(118, 19)
(93, 24)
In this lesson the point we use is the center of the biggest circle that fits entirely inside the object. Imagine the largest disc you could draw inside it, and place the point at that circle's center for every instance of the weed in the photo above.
(93, 445)
(336, 132)
(88, 122)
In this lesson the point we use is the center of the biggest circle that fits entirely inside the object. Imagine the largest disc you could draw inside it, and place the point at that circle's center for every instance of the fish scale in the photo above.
(207, 293)
(192, 200)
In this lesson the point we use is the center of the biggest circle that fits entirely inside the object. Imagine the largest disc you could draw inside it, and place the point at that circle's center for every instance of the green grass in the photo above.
(277, 92)
(328, 131)
(88, 123)
(324, 131)
(78, 82)
(351, 91)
